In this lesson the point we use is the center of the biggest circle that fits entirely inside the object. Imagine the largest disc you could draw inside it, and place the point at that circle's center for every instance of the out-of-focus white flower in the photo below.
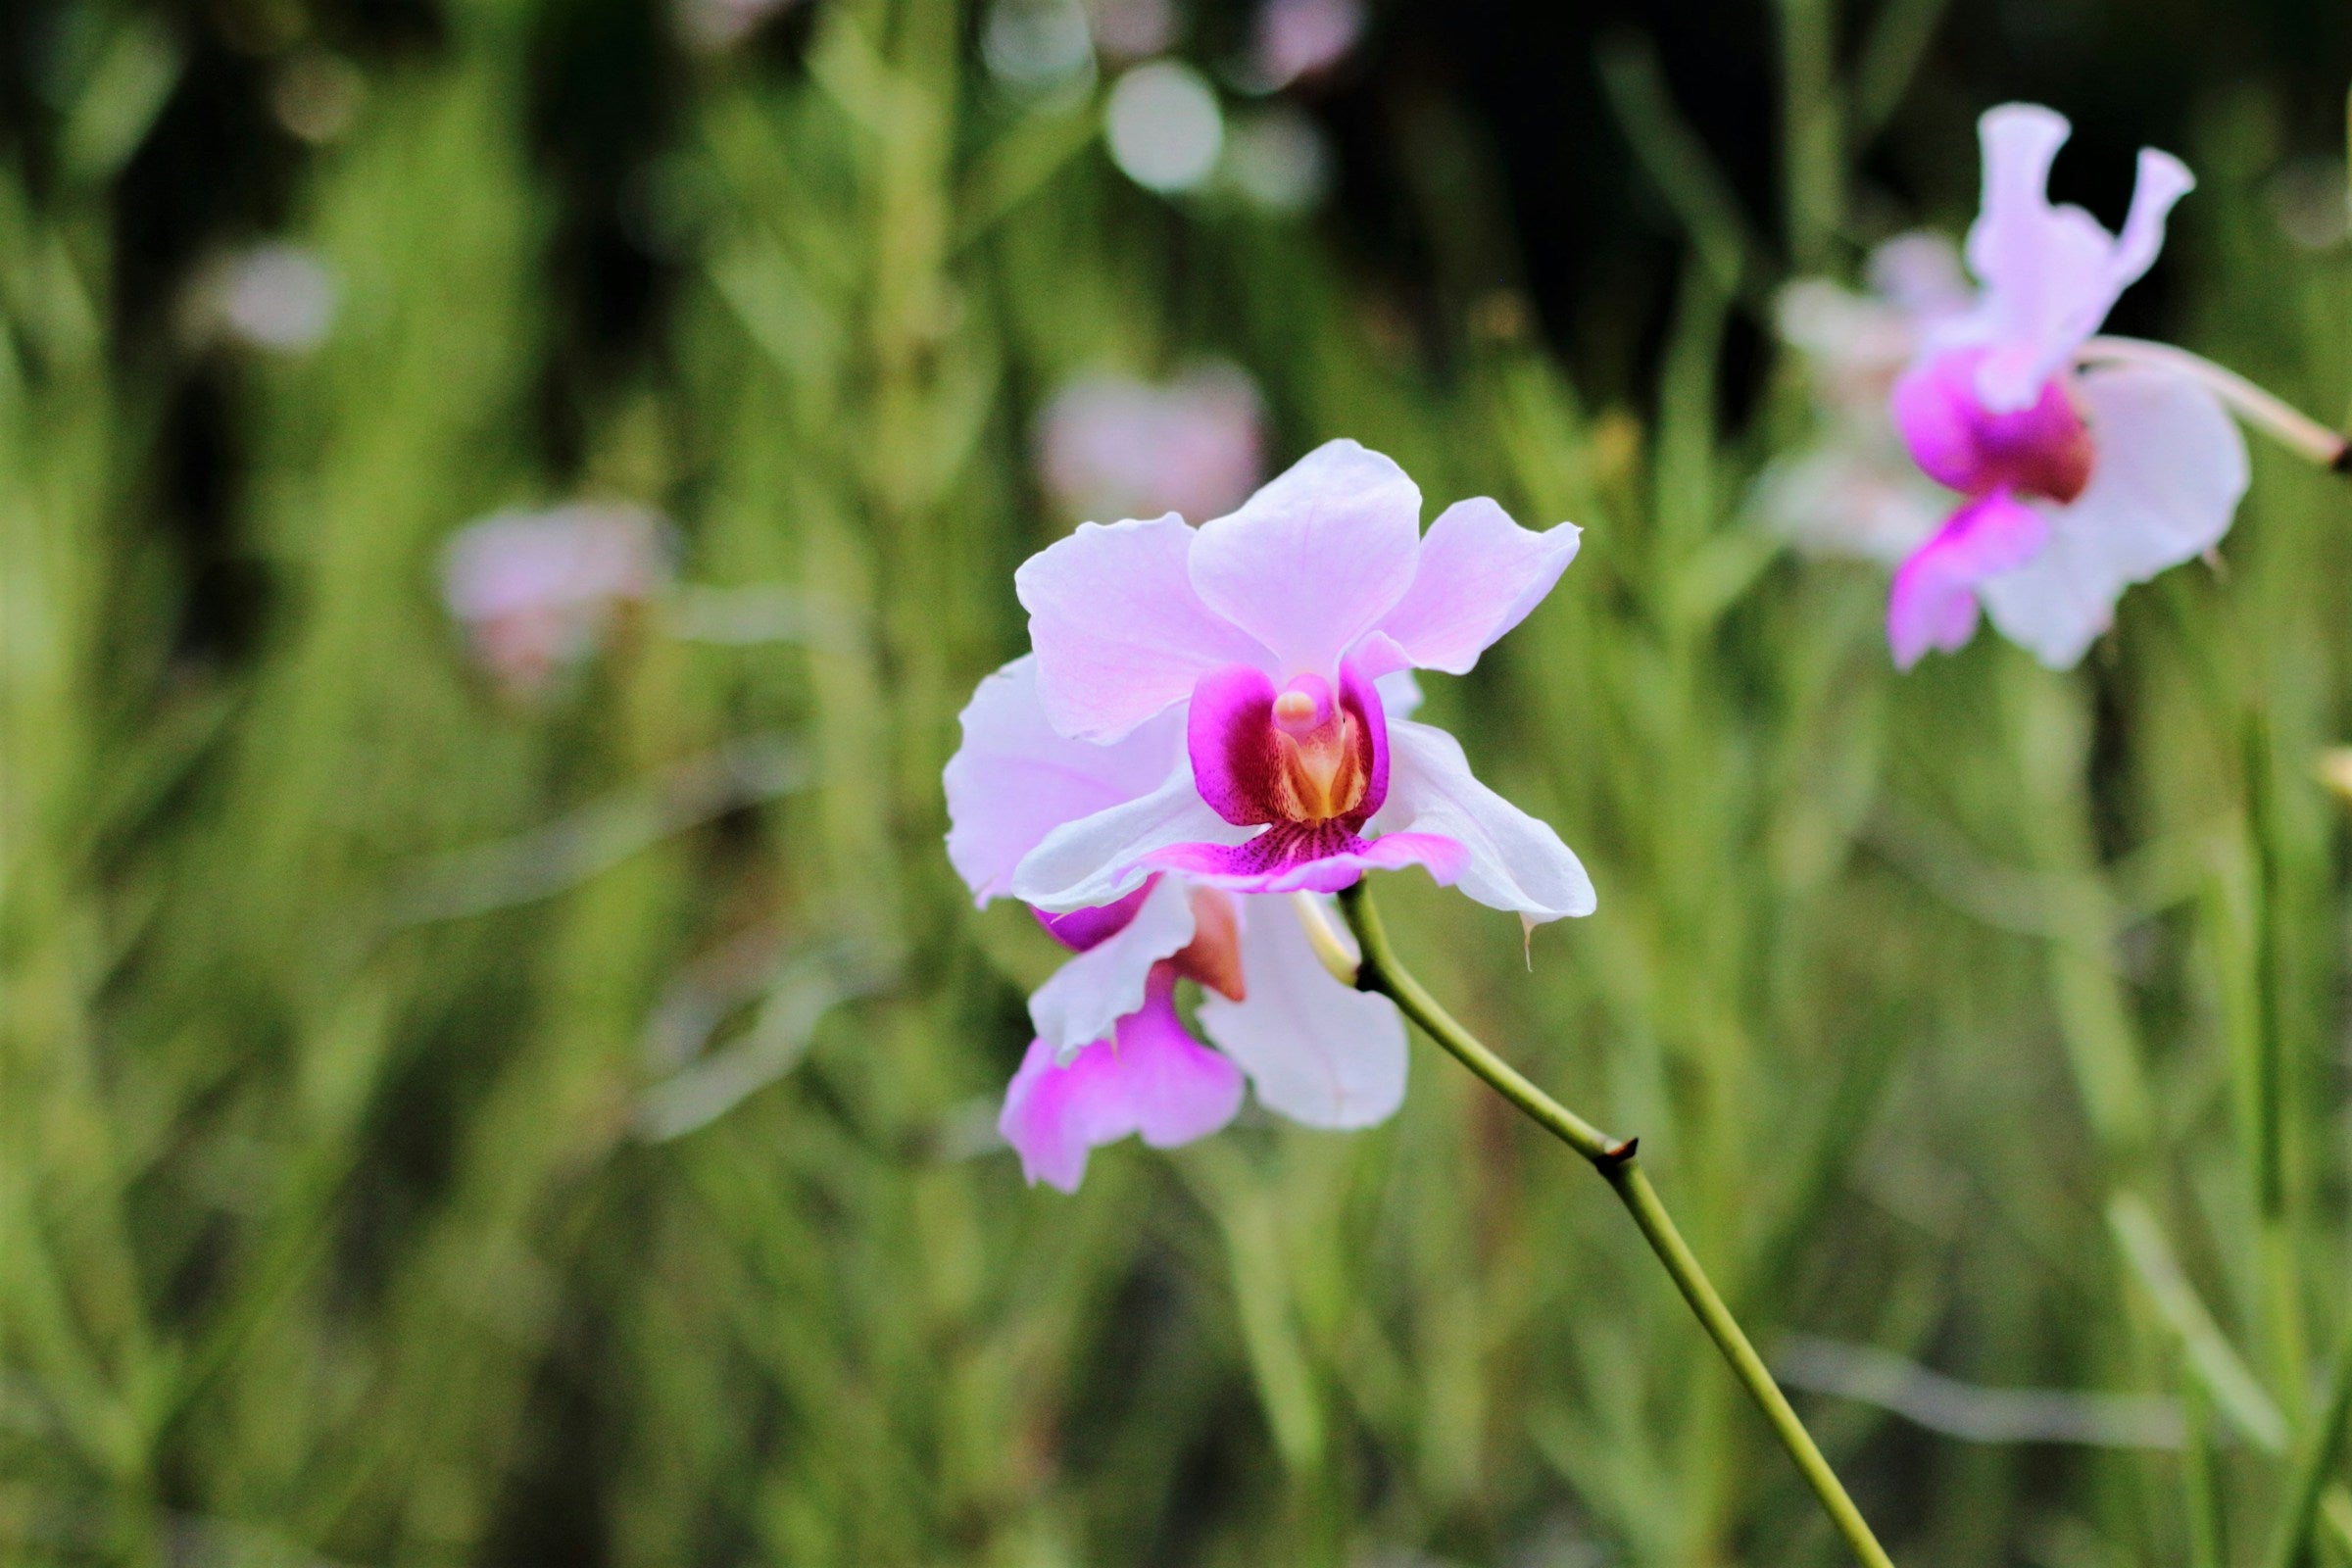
(1855, 491)
(1111, 447)
(537, 591)
(1298, 38)
(713, 26)
(1279, 159)
(1164, 126)
(273, 296)
(1038, 45)
(1839, 499)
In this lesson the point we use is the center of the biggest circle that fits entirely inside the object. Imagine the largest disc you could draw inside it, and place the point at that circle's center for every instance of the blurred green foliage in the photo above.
(436, 1129)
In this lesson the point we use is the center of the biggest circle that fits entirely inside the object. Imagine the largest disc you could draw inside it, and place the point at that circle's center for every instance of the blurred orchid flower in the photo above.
(2088, 465)
(1111, 446)
(1854, 490)
(1214, 717)
(1295, 39)
(537, 590)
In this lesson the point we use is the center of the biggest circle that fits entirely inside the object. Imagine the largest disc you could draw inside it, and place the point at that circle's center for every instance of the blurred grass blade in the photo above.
(2236, 1392)
(2314, 1463)
(118, 106)
(810, 986)
(1677, 160)
(1021, 159)
(1972, 1412)
(1892, 51)
(563, 855)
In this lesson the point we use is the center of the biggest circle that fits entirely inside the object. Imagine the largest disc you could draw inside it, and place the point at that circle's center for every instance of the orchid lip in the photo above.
(2043, 449)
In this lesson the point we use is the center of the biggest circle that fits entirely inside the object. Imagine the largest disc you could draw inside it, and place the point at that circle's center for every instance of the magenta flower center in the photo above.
(2043, 449)
(1324, 767)
(1304, 756)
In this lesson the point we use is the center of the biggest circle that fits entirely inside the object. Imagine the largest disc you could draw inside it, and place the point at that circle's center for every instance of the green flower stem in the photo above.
(2314, 1464)
(1614, 1159)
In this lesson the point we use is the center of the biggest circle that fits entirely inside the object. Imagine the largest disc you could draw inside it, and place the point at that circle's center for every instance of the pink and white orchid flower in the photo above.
(1213, 717)
(2087, 464)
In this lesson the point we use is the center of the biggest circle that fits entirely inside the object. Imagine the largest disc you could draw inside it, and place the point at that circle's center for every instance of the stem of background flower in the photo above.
(2314, 1464)
(2294, 430)
(1615, 1160)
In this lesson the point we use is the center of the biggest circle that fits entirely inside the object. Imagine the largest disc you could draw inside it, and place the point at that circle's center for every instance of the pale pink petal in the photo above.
(1314, 560)
(1097, 988)
(1400, 694)
(1511, 860)
(1151, 1079)
(1316, 1051)
(1099, 859)
(1014, 780)
(2162, 180)
(1119, 633)
(1934, 601)
(1479, 576)
(2171, 471)
(1919, 273)
(2050, 274)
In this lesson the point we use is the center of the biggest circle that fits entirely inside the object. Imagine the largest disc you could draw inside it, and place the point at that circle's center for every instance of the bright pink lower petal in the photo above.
(1150, 1078)
(1934, 601)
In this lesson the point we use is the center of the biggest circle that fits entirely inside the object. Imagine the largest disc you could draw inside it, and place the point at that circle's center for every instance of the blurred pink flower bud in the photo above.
(1111, 447)
(1299, 38)
(536, 591)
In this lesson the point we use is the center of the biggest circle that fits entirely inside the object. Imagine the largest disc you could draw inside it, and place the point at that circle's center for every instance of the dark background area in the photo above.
(1510, 83)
